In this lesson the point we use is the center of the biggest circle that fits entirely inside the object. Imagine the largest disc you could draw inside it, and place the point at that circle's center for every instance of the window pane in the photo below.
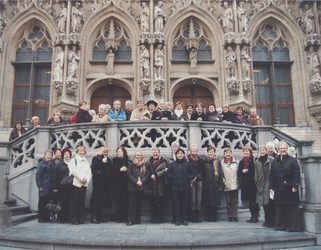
(123, 53)
(24, 54)
(282, 75)
(269, 34)
(23, 76)
(280, 53)
(283, 94)
(43, 75)
(261, 75)
(44, 53)
(179, 52)
(204, 52)
(21, 95)
(263, 94)
(42, 95)
(20, 115)
(265, 114)
(259, 52)
(285, 116)
(99, 53)
(43, 115)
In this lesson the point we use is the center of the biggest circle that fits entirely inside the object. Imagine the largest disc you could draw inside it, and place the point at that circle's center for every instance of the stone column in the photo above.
(5, 215)
(311, 165)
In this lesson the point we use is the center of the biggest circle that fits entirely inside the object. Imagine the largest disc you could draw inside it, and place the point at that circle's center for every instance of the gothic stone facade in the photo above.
(263, 53)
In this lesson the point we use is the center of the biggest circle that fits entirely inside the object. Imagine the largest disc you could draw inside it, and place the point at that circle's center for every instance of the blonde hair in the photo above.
(225, 106)
(35, 118)
(138, 151)
(249, 148)
(193, 146)
(101, 150)
(81, 148)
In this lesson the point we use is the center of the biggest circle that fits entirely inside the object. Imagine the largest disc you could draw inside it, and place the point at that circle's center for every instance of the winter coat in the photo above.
(138, 115)
(133, 172)
(256, 120)
(211, 193)
(14, 133)
(248, 187)
(98, 118)
(121, 116)
(198, 167)
(159, 114)
(128, 114)
(51, 122)
(73, 119)
(261, 179)
(44, 177)
(244, 119)
(183, 116)
(284, 176)
(120, 180)
(101, 172)
(61, 170)
(83, 116)
(158, 169)
(196, 115)
(212, 117)
(80, 169)
(230, 178)
(180, 173)
(229, 116)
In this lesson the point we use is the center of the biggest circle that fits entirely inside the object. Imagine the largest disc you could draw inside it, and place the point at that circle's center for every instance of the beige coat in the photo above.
(230, 175)
(138, 115)
(80, 171)
(97, 118)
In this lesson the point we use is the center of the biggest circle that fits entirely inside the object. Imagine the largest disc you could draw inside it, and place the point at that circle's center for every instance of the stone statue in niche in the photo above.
(159, 17)
(77, 18)
(73, 60)
(193, 61)
(110, 62)
(59, 64)
(62, 18)
(144, 62)
(246, 64)
(242, 18)
(231, 67)
(307, 20)
(228, 19)
(144, 19)
(313, 64)
(159, 61)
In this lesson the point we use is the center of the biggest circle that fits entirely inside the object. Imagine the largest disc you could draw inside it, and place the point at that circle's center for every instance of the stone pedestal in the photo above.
(5, 215)
(311, 165)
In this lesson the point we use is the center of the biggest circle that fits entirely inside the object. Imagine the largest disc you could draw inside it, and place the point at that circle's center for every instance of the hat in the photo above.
(153, 102)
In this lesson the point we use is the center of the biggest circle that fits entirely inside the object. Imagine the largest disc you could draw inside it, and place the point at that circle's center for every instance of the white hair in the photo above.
(169, 104)
(108, 106)
(253, 109)
(102, 106)
(129, 102)
(116, 101)
(283, 143)
(270, 144)
(92, 111)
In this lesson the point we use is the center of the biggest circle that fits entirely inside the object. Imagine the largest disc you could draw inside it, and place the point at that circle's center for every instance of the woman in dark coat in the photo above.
(245, 174)
(157, 184)
(212, 183)
(44, 180)
(212, 115)
(58, 154)
(138, 176)
(120, 181)
(83, 115)
(17, 131)
(197, 183)
(101, 168)
(180, 173)
(240, 117)
(198, 115)
(261, 179)
(63, 193)
(161, 112)
(179, 113)
(227, 115)
(284, 184)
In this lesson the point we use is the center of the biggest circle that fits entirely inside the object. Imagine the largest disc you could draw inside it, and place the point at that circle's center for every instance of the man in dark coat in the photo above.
(284, 185)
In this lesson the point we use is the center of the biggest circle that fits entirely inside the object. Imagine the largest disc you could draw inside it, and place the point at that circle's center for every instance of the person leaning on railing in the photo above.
(179, 113)
(53, 121)
(227, 115)
(254, 118)
(34, 122)
(140, 113)
(102, 115)
(83, 115)
(198, 115)
(161, 112)
(129, 109)
(17, 131)
(212, 115)
(116, 113)
(240, 117)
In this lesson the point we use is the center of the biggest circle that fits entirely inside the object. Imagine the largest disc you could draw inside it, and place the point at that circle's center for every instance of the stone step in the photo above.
(17, 210)
(17, 219)
(10, 202)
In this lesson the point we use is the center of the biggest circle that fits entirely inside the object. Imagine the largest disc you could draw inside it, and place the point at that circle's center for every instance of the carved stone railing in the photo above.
(23, 153)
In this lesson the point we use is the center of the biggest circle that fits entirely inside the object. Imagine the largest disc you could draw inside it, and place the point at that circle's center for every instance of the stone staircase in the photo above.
(20, 214)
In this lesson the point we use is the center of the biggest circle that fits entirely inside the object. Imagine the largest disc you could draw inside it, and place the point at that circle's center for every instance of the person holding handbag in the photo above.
(80, 169)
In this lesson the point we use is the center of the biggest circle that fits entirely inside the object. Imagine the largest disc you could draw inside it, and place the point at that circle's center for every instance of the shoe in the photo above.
(255, 219)
(81, 222)
(264, 224)
(230, 219)
(235, 219)
(185, 223)
(74, 223)
(177, 223)
(250, 220)
(130, 223)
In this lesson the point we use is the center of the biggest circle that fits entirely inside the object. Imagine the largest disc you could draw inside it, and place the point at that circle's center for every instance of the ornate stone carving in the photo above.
(59, 65)
(192, 40)
(144, 85)
(111, 42)
(62, 18)
(66, 114)
(306, 20)
(230, 38)
(247, 85)
(74, 38)
(233, 86)
(60, 39)
(243, 38)
(315, 86)
(242, 18)
(15, 11)
(231, 67)
(193, 61)
(78, 19)
(159, 17)
(73, 61)
(144, 63)
(246, 64)
(312, 39)
(3, 22)
(144, 18)
(186, 2)
(72, 86)
(227, 19)
(57, 86)
(313, 64)
(159, 61)
(110, 63)
(159, 86)
(158, 38)
(145, 38)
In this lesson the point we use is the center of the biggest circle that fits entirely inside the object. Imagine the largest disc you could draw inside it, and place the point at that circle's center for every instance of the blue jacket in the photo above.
(113, 116)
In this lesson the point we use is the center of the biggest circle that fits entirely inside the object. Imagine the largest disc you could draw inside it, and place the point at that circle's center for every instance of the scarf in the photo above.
(141, 165)
(194, 158)
(215, 165)
(178, 112)
(225, 161)
(246, 162)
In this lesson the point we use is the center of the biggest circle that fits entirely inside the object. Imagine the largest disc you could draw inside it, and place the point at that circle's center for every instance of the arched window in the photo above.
(272, 77)
(179, 52)
(32, 77)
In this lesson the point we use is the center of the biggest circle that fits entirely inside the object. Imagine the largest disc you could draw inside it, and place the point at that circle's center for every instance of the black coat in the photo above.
(157, 187)
(51, 122)
(180, 173)
(120, 180)
(196, 115)
(83, 116)
(133, 172)
(183, 116)
(212, 117)
(198, 167)
(244, 119)
(101, 171)
(44, 177)
(229, 116)
(61, 170)
(158, 115)
(14, 133)
(211, 193)
(248, 186)
(284, 176)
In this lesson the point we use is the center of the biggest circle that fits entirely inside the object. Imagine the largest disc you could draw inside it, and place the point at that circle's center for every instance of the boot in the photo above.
(193, 216)
(93, 218)
(197, 216)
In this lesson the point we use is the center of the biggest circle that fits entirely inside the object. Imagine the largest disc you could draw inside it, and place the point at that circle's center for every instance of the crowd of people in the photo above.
(194, 182)
(151, 111)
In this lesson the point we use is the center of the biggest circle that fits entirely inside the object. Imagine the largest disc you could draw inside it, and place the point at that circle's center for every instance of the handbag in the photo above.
(68, 180)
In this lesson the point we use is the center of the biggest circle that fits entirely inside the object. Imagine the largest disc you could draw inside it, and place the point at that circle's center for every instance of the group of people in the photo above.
(151, 111)
(271, 181)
